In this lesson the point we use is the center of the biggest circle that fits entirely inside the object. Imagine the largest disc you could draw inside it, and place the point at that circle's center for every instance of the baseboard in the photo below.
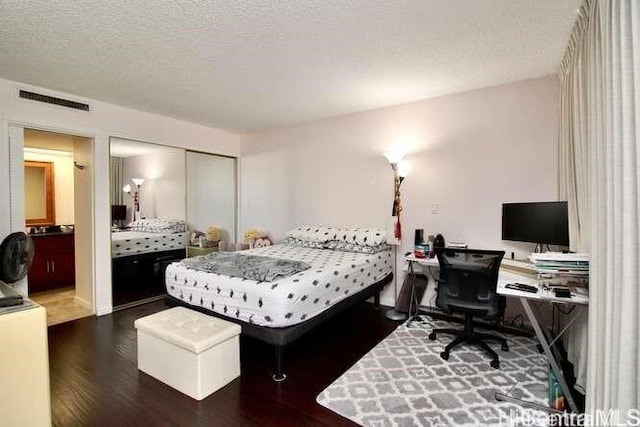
(139, 302)
(102, 311)
(83, 302)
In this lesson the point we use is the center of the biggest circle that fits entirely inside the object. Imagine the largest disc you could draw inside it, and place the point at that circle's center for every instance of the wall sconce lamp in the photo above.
(136, 196)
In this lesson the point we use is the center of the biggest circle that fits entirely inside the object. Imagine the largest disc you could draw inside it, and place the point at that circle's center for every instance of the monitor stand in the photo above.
(541, 248)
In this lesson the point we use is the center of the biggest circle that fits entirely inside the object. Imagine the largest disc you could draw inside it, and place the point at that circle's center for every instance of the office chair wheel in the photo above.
(445, 355)
(505, 347)
(495, 364)
(432, 336)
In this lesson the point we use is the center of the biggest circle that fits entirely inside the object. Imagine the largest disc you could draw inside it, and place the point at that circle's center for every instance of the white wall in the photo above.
(470, 152)
(84, 221)
(163, 192)
(103, 121)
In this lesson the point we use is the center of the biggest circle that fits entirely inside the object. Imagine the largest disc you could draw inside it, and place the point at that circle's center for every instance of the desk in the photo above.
(24, 397)
(414, 304)
(543, 295)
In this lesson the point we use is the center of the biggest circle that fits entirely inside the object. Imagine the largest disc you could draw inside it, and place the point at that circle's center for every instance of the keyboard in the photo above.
(522, 287)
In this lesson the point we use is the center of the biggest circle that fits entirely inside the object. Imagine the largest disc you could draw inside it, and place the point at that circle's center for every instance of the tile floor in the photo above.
(61, 305)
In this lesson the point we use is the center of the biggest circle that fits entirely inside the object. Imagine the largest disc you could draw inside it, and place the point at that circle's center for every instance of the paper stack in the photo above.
(562, 264)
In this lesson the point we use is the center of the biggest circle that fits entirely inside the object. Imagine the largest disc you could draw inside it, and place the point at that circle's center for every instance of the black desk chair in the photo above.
(467, 285)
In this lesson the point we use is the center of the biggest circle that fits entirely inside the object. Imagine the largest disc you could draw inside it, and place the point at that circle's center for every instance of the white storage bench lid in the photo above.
(188, 329)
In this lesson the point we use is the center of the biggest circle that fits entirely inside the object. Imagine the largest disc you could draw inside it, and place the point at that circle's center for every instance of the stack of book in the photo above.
(557, 263)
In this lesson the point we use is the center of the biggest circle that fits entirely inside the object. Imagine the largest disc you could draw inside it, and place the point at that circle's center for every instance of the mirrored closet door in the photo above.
(148, 193)
(211, 202)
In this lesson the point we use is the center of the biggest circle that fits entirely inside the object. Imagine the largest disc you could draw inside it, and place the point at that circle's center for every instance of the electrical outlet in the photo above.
(435, 208)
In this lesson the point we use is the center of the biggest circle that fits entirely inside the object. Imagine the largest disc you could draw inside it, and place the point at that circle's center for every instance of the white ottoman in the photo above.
(190, 351)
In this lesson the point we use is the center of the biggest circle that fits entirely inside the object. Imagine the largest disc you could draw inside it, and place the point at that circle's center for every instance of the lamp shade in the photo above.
(403, 169)
(394, 157)
(138, 181)
(126, 188)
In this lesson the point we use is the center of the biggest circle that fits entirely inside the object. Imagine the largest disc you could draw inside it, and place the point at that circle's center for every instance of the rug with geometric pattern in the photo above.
(404, 382)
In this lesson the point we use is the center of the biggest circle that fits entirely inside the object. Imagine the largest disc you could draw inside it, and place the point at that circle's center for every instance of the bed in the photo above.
(339, 275)
(140, 255)
(149, 235)
(127, 243)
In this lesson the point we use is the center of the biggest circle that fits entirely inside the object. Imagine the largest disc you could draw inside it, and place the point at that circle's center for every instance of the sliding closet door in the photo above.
(211, 193)
(147, 182)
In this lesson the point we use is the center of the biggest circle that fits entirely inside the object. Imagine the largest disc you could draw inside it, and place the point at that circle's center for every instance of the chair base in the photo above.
(468, 335)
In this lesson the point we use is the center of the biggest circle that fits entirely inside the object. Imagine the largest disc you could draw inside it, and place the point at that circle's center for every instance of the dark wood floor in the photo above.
(95, 380)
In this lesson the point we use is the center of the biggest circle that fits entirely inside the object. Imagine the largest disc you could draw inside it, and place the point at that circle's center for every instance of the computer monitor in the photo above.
(118, 212)
(543, 223)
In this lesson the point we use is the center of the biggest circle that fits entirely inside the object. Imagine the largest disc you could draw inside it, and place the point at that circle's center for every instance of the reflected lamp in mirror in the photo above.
(39, 194)
(136, 196)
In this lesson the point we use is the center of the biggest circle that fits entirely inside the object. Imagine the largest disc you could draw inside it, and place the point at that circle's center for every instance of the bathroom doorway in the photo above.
(58, 207)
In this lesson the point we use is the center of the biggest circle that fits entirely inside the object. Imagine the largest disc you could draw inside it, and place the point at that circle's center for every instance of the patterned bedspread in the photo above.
(253, 267)
(333, 276)
(125, 243)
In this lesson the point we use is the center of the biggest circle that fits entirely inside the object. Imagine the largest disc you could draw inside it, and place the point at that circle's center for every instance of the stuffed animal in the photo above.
(261, 242)
(251, 235)
(195, 238)
(213, 234)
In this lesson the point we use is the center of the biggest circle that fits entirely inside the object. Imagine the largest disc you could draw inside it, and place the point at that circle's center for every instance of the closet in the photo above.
(160, 196)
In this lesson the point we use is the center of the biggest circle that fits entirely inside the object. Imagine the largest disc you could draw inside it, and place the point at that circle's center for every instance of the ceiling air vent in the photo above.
(25, 94)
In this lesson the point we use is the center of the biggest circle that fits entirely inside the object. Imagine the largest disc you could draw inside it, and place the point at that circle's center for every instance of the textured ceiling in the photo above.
(245, 65)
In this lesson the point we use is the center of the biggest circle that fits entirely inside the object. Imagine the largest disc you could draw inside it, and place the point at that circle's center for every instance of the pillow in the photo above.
(363, 236)
(312, 233)
(340, 245)
(159, 225)
(304, 243)
(358, 236)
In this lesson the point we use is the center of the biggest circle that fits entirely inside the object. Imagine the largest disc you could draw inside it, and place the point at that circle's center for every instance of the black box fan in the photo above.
(16, 257)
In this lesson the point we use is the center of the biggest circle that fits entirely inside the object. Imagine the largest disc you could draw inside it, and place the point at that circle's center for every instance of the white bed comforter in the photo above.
(125, 243)
(333, 276)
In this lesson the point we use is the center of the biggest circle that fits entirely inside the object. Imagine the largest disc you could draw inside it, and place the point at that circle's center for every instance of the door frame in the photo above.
(15, 136)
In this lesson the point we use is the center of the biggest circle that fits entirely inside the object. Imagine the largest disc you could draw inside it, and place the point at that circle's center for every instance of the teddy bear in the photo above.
(261, 242)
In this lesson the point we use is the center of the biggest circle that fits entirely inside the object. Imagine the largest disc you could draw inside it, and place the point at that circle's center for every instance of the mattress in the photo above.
(333, 276)
(125, 243)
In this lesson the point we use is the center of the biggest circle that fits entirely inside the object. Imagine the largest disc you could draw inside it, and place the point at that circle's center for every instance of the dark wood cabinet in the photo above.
(53, 262)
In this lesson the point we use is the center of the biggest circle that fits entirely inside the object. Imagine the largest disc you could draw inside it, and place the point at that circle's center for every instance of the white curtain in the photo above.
(599, 174)
(576, 130)
(117, 196)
